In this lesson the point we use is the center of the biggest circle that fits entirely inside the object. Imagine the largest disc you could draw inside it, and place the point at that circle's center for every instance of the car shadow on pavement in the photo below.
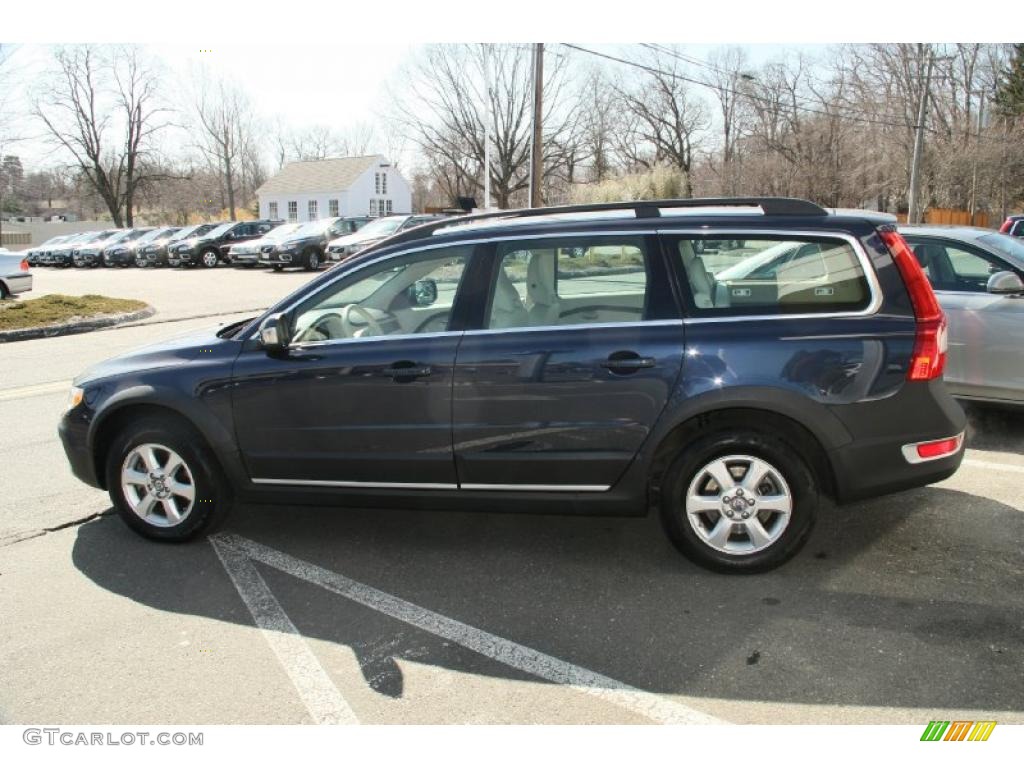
(994, 428)
(903, 601)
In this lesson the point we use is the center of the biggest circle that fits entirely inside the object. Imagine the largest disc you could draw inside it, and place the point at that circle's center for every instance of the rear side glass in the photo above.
(767, 276)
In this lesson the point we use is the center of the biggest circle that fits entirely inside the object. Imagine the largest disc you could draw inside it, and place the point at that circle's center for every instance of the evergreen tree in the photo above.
(1009, 97)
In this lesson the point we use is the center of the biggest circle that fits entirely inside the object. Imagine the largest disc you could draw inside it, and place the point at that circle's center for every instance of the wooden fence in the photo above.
(950, 216)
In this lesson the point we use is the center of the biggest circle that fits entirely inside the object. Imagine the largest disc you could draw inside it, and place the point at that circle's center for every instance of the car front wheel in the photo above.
(739, 502)
(209, 259)
(164, 481)
(313, 260)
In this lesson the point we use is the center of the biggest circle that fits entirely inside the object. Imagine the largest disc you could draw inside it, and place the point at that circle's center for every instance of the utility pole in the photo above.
(974, 164)
(914, 202)
(536, 148)
(488, 126)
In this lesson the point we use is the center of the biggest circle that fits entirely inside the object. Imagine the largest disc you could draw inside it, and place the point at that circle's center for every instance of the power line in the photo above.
(735, 92)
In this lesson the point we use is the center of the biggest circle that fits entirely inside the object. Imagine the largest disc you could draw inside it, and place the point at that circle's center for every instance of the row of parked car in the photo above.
(276, 244)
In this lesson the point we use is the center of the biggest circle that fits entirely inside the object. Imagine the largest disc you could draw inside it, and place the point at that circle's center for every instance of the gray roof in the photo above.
(332, 175)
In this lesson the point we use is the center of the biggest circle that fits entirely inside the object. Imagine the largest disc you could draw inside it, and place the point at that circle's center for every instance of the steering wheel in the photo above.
(321, 328)
(371, 324)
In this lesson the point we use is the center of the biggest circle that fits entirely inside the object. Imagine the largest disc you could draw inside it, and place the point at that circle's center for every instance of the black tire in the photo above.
(312, 260)
(776, 451)
(4, 294)
(209, 256)
(278, 267)
(211, 491)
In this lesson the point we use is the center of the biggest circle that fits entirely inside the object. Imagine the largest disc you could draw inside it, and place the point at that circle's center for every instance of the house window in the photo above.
(387, 206)
(376, 183)
(384, 183)
(311, 210)
(272, 211)
(293, 210)
(373, 207)
(332, 208)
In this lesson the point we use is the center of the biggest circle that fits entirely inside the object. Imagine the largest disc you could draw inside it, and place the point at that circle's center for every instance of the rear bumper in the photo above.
(874, 463)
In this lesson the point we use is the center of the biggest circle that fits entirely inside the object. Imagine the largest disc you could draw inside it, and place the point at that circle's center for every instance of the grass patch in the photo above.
(57, 308)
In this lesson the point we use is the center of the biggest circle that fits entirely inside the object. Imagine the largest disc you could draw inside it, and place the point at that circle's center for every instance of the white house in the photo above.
(344, 186)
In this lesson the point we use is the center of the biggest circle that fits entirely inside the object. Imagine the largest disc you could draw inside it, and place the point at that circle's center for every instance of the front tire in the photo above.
(739, 501)
(209, 259)
(313, 260)
(164, 482)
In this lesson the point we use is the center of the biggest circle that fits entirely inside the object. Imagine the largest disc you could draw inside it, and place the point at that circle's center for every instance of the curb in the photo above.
(84, 326)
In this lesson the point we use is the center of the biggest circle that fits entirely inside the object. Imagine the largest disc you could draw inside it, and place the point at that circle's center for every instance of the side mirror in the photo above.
(1004, 283)
(424, 292)
(274, 334)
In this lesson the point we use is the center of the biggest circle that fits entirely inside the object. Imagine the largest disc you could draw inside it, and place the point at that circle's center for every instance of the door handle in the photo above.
(626, 362)
(406, 370)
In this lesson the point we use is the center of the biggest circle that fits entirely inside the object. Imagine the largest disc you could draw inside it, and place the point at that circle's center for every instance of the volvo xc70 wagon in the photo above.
(593, 359)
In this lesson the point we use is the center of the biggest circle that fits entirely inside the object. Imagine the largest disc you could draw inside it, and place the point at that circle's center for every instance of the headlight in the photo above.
(75, 397)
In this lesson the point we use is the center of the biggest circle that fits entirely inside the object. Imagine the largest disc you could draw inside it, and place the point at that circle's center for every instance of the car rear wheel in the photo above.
(4, 293)
(739, 501)
(164, 481)
(209, 258)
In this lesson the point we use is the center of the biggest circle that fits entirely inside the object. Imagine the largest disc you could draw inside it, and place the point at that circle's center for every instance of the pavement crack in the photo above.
(19, 536)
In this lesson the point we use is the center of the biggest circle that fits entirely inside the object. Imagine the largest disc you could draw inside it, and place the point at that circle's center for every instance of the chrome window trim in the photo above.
(434, 486)
(865, 262)
(422, 246)
(573, 326)
(357, 484)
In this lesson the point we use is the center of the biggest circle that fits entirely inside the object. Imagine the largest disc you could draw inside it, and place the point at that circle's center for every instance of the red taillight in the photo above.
(938, 448)
(1006, 226)
(24, 265)
(929, 357)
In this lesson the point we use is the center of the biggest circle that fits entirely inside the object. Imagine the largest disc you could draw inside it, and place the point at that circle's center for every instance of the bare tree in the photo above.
(101, 105)
(665, 123)
(226, 133)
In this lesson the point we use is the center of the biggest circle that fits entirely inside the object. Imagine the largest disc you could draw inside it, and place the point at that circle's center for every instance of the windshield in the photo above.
(218, 231)
(282, 231)
(153, 234)
(381, 227)
(1005, 245)
(314, 227)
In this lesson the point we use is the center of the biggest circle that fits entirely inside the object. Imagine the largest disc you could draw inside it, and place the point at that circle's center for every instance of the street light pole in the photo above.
(913, 203)
(488, 126)
(974, 164)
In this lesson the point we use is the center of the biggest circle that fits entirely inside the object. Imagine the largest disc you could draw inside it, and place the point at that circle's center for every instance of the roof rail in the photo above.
(644, 209)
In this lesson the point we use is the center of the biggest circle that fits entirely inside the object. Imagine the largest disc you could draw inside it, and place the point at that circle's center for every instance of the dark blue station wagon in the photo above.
(730, 362)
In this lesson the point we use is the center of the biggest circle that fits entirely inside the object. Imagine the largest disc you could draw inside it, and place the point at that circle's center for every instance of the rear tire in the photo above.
(165, 482)
(747, 523)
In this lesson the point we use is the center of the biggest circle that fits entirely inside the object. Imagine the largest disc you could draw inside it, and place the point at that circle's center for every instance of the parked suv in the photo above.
(375, 231)
(576, 359)
(210, 249)
(156, 253)
(247, 254)
(91, 254)
(64, 254)
(125, 252)
(33, 255)
(305, 246)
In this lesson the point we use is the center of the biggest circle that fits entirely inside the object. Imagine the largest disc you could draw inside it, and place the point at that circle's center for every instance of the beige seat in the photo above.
(544, 304)
(701, 283)
(507, 309)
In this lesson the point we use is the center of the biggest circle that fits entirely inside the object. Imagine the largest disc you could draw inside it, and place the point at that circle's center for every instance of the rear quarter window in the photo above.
(770, 275)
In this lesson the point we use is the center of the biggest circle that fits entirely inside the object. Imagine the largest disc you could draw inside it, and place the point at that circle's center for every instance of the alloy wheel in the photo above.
(738, 505)
(158, 485)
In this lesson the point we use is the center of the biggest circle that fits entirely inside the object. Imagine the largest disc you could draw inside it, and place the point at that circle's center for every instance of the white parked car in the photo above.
(15, 276)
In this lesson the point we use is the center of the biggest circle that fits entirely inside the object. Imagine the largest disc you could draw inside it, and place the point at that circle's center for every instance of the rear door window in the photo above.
(770, 275)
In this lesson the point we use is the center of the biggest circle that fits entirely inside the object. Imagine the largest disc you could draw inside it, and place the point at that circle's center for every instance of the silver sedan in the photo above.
(14, 274)
(978, 277)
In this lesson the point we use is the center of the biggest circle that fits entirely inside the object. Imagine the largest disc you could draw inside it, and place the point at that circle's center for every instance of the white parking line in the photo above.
(324, 702)
(521, 657)
(998, 466)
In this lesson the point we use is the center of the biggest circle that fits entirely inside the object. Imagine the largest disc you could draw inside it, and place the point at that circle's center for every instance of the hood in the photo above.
(175, 350)
(356, 238)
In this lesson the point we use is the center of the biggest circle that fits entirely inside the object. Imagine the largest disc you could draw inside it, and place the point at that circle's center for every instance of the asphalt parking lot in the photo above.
(899, 610)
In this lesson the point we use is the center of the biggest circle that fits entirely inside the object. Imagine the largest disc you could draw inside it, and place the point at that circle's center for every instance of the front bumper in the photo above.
(181, 258)
(283, 259)
(73, 430)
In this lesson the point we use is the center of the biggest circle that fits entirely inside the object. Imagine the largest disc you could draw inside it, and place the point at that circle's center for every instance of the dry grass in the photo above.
(56, 309)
